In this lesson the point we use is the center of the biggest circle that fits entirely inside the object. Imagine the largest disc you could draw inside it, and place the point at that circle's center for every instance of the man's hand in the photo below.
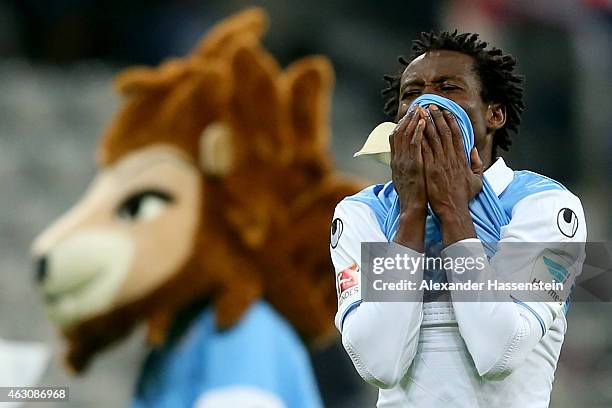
(407, 160)
(408, 176)
(451, 182)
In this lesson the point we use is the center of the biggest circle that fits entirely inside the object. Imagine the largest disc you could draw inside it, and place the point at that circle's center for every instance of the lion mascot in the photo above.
(208, 220)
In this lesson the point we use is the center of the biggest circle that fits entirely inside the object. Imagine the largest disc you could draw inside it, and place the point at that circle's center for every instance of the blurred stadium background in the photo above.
(57, 59)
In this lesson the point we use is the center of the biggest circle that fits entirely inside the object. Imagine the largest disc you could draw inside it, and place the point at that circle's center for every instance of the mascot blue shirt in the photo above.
(260, 360)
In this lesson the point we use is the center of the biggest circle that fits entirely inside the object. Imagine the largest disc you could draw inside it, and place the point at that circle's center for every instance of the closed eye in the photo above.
(411, 94)
(144, 205)
(447, 88)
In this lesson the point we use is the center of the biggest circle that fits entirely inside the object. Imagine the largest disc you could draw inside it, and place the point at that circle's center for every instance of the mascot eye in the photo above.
(144, 206)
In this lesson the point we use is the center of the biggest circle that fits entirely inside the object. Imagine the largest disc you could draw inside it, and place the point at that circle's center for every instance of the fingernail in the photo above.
(433, 107)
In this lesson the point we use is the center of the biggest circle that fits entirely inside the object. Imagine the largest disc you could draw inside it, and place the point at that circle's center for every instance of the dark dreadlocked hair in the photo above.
(494, 68)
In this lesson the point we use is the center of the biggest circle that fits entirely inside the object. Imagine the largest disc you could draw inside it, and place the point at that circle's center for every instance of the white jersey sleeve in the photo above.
(380, 337)
(500, 335)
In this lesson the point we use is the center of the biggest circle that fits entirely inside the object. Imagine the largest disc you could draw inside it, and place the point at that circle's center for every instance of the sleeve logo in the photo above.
(336, 231)
(554, 267)
(557, 271)
(567, 222)
(348, 278)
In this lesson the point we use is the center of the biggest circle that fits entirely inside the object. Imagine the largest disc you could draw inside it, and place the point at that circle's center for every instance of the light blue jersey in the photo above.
(262, 351)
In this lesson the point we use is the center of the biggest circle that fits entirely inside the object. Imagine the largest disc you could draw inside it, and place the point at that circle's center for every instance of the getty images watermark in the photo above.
(473, 272)
(411, 264)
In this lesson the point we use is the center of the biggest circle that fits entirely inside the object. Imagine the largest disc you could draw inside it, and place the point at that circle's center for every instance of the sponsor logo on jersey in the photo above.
(347, 278)
(551, 267)
(558, 271)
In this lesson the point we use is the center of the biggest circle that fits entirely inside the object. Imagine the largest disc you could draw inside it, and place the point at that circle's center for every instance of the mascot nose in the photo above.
(40, 269)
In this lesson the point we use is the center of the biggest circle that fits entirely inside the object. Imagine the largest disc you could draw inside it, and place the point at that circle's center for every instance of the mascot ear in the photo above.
(216, 149)
(255, 107)
(134, 80)
(250, 22)
(309, 82)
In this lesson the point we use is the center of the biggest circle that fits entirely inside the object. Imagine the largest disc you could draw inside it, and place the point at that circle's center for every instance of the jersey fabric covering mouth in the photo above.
(486, 209)
(377, 142)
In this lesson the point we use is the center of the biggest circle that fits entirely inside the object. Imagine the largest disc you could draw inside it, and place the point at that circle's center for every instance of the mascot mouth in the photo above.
(53, 298)
(77, 302)
(84, 275)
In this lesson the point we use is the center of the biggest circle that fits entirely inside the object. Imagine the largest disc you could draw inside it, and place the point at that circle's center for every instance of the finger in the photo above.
(394, 137)
(410, 129)
(431, 134)
(403, 122)
(417, 140)
(475, 184)
(426, 150)
(444, 131)
(476, 163)
(400, 135)
(457, 136)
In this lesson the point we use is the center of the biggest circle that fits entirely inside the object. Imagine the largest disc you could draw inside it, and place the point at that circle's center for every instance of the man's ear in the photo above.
(216, 149)
(496, 116)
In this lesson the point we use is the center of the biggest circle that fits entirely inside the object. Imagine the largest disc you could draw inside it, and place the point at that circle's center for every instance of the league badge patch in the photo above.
(567, 221)
(336, 231)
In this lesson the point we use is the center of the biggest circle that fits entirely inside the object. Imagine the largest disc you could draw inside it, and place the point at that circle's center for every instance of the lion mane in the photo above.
(264, 225)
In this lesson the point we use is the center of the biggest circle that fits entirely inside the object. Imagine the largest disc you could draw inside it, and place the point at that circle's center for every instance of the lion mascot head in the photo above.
(214, 186)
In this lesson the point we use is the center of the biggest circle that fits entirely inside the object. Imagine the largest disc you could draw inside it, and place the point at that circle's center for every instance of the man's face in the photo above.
(449, 74)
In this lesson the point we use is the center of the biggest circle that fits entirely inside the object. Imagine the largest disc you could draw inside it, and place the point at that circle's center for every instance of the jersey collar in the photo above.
(499, 176)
